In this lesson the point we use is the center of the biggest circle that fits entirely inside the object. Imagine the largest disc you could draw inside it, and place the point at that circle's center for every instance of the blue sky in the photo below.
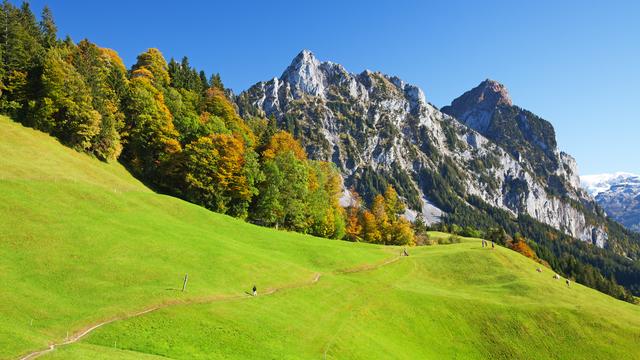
(575, 63)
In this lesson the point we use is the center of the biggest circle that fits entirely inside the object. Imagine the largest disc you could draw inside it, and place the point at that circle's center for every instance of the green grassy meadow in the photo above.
(82, 241)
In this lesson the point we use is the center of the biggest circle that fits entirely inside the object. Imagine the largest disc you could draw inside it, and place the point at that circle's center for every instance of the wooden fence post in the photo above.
(184, 284)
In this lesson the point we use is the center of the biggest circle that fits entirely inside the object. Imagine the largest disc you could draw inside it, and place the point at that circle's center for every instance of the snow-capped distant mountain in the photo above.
(596, 184)
(618, 194)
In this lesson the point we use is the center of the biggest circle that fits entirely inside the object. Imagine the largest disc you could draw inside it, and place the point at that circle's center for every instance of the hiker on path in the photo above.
(493, 245)
(483, 242)
(255, 291)
(568, 282)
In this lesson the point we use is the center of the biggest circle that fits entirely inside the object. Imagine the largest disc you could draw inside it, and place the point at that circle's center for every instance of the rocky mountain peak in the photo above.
(488, 95)
(304, 59)
(304, 74)
(488, 109)
(493, 93)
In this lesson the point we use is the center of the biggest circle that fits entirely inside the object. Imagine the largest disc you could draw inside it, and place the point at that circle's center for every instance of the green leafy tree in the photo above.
(151, 139)
(267, 209)
(327, 217)
(65, 108)
(498, 235)
(105, 75)
(285, 186)
(294, 191)
(182, 104)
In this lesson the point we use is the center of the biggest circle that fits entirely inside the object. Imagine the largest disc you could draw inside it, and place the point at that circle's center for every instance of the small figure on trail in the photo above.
(404, 252)
(568, 282)
(539, 270)
(556, 276)
(493, 245)
(484, 242)
(255, 291)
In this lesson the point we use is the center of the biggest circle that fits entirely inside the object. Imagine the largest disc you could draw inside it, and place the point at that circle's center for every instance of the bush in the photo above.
(453, 239)
(472, 232)
(521, 247)
(424, 239)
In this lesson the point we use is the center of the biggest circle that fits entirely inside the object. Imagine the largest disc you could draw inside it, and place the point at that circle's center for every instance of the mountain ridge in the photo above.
(371, 123)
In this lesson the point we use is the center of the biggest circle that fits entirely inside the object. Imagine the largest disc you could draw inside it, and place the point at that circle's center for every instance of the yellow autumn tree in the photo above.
(401, 233)
(152, 65)
(283, 142)
(370, 231)
(354, 230)
(217, 104)
(379, 210)
(391, 227)
(327, 217)
(393, 205)
(214, 174)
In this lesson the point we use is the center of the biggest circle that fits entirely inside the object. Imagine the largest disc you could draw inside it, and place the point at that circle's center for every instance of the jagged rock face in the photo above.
(476, 106)
(619, 196)
(378, 129)
(488, 109)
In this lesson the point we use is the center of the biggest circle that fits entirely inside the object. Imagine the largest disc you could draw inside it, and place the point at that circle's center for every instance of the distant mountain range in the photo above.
(618, 194)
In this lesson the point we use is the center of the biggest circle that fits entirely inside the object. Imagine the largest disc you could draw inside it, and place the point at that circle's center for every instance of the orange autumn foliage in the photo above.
(283, 142)
(524, 249)
(353, 228)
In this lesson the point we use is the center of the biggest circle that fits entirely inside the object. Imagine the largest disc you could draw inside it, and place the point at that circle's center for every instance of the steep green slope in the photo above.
(82, 241)
(443, 302)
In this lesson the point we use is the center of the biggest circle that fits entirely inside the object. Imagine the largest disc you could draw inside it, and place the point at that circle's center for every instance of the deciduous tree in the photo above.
(215, 175)
(65, 108)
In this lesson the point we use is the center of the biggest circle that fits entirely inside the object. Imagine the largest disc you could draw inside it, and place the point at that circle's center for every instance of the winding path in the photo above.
(316, 277)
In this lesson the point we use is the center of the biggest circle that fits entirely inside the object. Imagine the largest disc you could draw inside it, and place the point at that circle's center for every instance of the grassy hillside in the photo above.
(82, 241)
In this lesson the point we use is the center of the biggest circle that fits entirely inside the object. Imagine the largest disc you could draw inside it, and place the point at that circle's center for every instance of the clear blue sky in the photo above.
(575, 63)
